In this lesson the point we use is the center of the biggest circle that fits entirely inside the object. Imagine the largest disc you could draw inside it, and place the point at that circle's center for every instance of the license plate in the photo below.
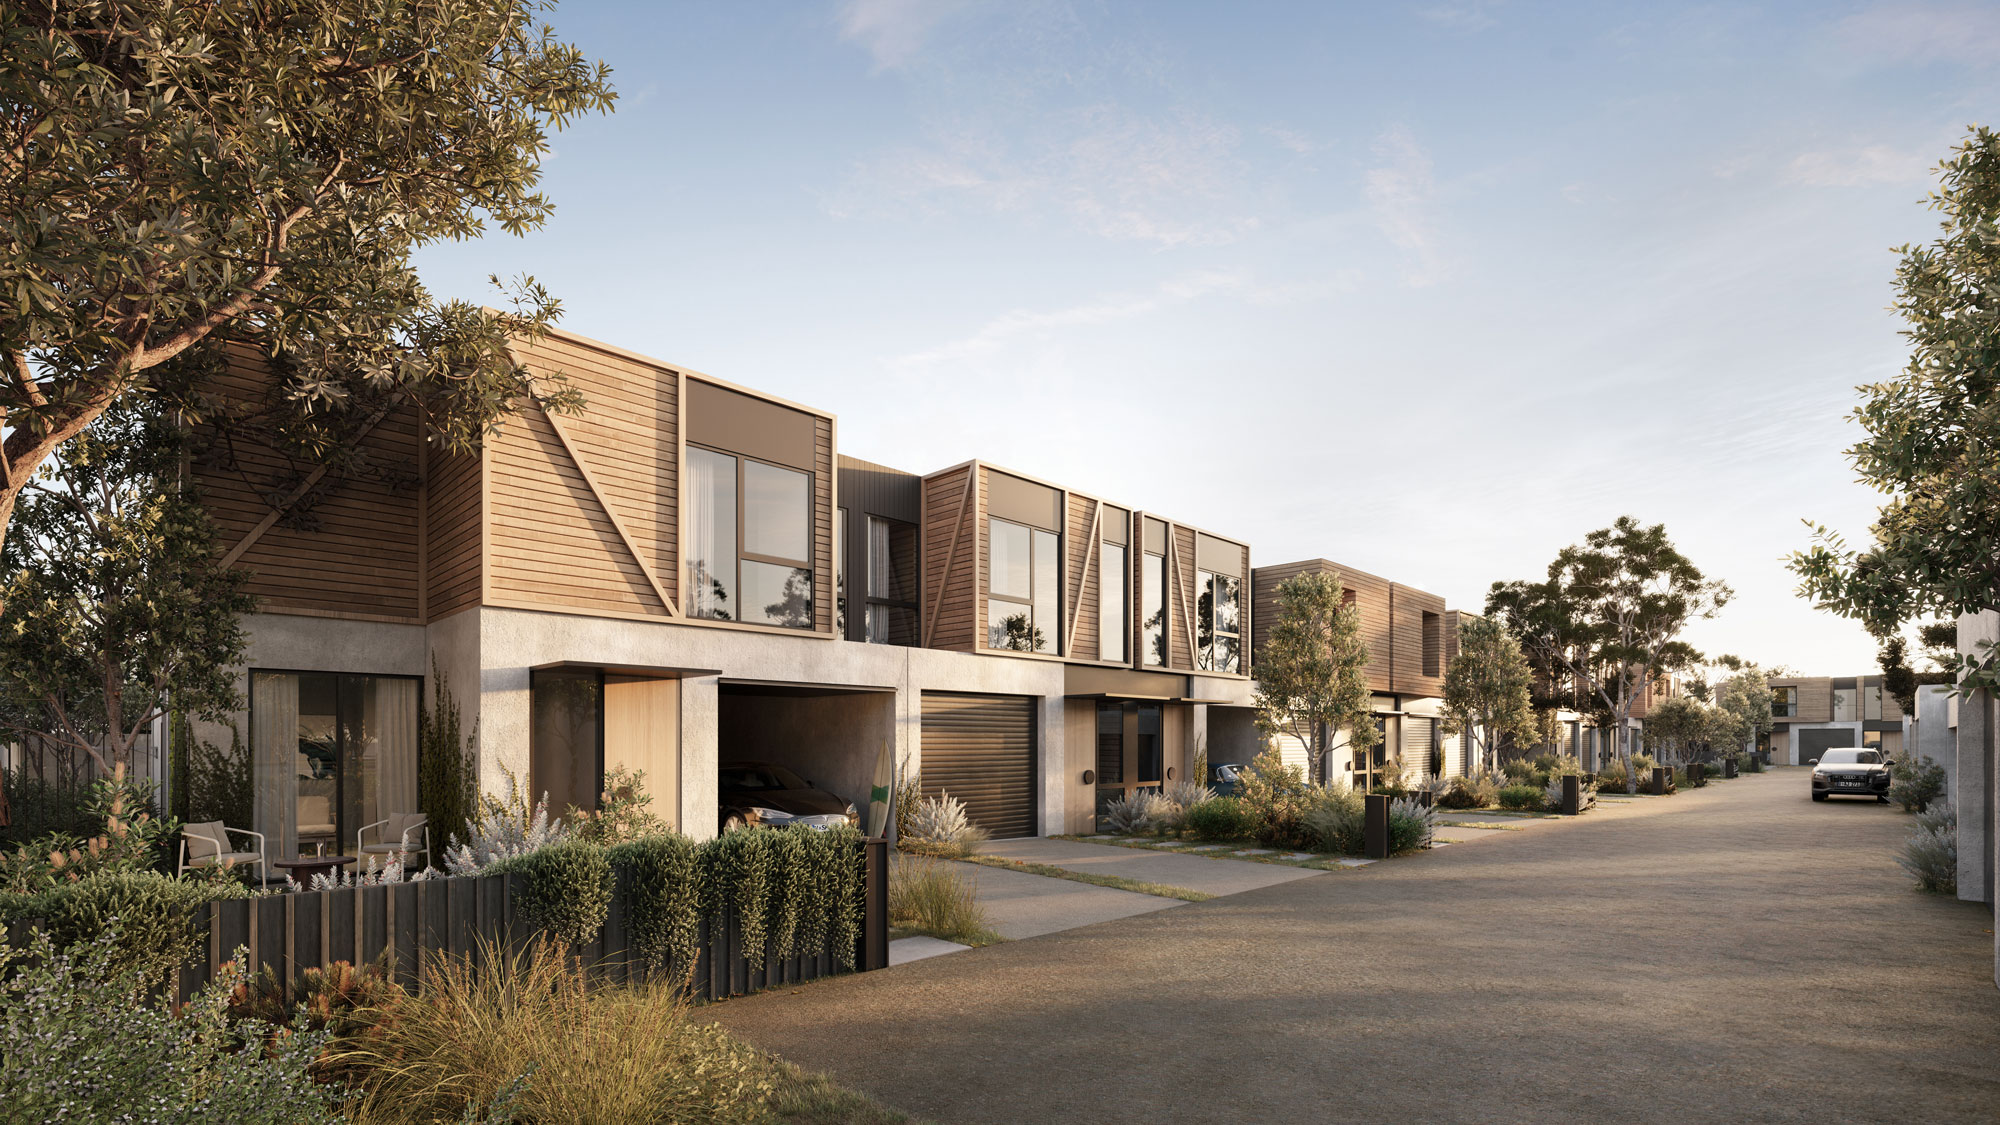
(1850, 784)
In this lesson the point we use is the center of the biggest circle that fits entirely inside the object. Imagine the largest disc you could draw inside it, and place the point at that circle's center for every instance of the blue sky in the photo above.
(1431, 291)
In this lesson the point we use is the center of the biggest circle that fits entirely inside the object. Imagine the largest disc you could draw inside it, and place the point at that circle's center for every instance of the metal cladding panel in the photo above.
(981, 750)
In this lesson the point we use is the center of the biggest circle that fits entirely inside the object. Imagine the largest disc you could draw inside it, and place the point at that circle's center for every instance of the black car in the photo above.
(755, 793)
(1226, 778)
(1851, 773)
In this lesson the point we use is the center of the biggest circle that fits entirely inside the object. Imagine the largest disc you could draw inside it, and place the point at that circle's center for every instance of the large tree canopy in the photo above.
(172, 173)
(1932, 439)
(1611, 612)
(1486, 690)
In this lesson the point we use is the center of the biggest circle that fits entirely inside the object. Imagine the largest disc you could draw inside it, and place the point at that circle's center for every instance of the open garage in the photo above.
(830, 737)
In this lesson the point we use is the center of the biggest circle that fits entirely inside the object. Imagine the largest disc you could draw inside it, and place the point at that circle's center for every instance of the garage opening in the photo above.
(1814, 743)
(826, 738)
(981, 750)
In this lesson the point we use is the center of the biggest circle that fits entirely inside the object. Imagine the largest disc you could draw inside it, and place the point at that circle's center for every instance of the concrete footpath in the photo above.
(1191, 870)
(1734, 953)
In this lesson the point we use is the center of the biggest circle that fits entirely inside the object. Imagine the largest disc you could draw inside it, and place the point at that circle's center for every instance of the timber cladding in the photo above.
(959, 505)
(1403, 627)
(345, 543)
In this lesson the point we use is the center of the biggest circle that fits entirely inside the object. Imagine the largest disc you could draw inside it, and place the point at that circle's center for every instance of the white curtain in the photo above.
(389, 718)
(705, 525)
(879, 583)
(274, 749)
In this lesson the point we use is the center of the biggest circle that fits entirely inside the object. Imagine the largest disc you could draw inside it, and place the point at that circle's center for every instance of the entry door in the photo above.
(1131, 750)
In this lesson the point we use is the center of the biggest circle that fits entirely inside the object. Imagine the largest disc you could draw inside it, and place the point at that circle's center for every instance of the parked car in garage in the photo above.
(759, 794)
(1850, 773)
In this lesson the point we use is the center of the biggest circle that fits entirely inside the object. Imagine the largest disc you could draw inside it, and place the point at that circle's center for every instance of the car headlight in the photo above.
(770, 816)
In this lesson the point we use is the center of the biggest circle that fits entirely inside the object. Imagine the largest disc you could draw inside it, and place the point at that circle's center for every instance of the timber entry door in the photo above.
(1130, 752)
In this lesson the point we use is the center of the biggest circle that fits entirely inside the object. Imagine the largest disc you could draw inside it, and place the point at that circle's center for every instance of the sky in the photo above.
(1431, 291)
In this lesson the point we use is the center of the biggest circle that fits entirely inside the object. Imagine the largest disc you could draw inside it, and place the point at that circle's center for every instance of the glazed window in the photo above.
(764, 574)
(1111, 607)
(1219, 622)
(1153, 609)
(892, 582)
(1023, 588)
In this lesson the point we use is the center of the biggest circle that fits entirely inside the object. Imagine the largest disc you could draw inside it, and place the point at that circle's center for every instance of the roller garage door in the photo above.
(981, 750)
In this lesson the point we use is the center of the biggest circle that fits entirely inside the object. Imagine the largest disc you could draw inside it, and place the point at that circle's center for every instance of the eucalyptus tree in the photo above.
(260, 171)
(1312, 671)
(1486, 689)
(1613, 609)
(1931, 436)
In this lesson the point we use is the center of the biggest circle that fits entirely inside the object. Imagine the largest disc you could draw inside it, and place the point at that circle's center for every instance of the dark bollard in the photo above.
(1572, 795)
(1426, 798)
(1728, 768)
(1375, 825)
(1659, 781)
(1697, 773)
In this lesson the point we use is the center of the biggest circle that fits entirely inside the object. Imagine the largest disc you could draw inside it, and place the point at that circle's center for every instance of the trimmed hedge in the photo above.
(159, 916)
(663, 897)
(567, 889)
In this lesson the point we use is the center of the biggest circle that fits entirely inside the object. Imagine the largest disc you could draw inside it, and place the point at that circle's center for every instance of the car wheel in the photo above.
(732, 822)
(1819, 796)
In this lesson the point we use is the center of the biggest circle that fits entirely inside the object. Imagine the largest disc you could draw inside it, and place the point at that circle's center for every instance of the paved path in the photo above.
(1736, 953)
(1019, 905)
(1195, 872)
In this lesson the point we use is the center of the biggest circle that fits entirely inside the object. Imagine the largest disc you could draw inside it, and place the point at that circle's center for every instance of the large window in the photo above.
(749, 550)
(333, 753)
(840, 572)
(1024, 588)
(1153, 610)
(892, 582)
(566, 736)
(1219, 622)
(1111, 603)
(1784, 702)
(1844, 701)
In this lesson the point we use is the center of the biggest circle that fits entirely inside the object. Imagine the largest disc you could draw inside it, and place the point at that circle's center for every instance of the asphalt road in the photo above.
(1736, 953)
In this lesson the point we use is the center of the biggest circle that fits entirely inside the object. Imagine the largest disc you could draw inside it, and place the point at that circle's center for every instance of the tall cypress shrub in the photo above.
(447, 770)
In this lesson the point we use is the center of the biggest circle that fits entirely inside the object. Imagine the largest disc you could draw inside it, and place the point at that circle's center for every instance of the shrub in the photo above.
(1586, 795)
(159, 919)
(1931, 852)
(216, 783)
(1276, 797)
(1915, 782)
(566, 889)
(45, 806)
(1470, 793)
(1187, 794)
(505, 830)
(1220, 818)
(1612, 776)
(624, 811)
(1521, 797)
(663, 900)
(447, 768)
(908, 793)
(936, 898)
(1335, 822)
(75, 1047)
(939, 826)
(1410, 826)
(1139, 812)
(606, 1055)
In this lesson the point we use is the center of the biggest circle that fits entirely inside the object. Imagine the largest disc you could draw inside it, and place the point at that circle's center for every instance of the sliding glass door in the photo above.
(333, 752)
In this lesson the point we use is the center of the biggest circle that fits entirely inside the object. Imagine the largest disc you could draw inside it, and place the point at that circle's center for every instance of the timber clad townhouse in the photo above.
(687, 575)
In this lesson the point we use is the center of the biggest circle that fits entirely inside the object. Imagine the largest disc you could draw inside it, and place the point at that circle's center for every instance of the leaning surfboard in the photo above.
(878, 797)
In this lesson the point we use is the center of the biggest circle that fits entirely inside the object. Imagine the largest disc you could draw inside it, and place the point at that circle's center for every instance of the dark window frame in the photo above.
(870, 599)
(1052, 635)
(744, 555)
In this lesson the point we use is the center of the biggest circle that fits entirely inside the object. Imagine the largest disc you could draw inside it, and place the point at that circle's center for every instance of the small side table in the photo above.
(306, 866)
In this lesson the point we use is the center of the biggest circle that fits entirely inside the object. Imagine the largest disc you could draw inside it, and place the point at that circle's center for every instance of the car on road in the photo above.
(1851, 773)
(755, 794)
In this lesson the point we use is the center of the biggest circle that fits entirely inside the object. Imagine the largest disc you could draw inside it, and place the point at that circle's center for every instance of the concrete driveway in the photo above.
(1736, 953)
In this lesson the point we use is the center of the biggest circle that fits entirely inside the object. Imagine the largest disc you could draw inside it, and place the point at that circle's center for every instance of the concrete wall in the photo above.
(284, 642)
(1232, 736)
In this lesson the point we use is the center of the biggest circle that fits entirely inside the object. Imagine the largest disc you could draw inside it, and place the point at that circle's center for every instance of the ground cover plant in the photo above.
(939, 826)
(1915, 782)
(932, 896)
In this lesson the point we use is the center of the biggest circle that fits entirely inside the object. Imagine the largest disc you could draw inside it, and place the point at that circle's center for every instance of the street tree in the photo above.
(1743, 708)
(1486, 690)
(1311, 674)
(117, 604)
(1679, 727)
(260, 171)
(1931, 439)
(1614, 608)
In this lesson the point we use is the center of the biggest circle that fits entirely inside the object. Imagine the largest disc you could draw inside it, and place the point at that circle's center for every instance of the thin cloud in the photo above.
(1874, 164)
(1471, 15)
(1925, 32)
(893, 31)
(1024, 323)
(1402, 195)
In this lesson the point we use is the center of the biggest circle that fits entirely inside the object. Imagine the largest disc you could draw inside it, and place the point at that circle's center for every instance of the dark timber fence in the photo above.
(411, 922)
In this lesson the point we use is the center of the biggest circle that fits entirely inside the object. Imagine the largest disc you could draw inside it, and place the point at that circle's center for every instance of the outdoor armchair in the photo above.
(206, 844)
(404, 834)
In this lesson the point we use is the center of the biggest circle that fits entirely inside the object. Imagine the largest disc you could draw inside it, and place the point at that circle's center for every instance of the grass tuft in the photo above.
(932, 896)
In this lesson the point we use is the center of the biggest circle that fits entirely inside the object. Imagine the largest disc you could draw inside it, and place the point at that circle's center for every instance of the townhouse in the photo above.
(689, 574)
(1411, 637)
(1813, 714)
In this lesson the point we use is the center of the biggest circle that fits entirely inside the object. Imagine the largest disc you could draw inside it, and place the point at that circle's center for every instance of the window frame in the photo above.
(743, 554)
(869, 598)
(1208, 622)
(1052, 635)
(1122, 606)
(1166, 640)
